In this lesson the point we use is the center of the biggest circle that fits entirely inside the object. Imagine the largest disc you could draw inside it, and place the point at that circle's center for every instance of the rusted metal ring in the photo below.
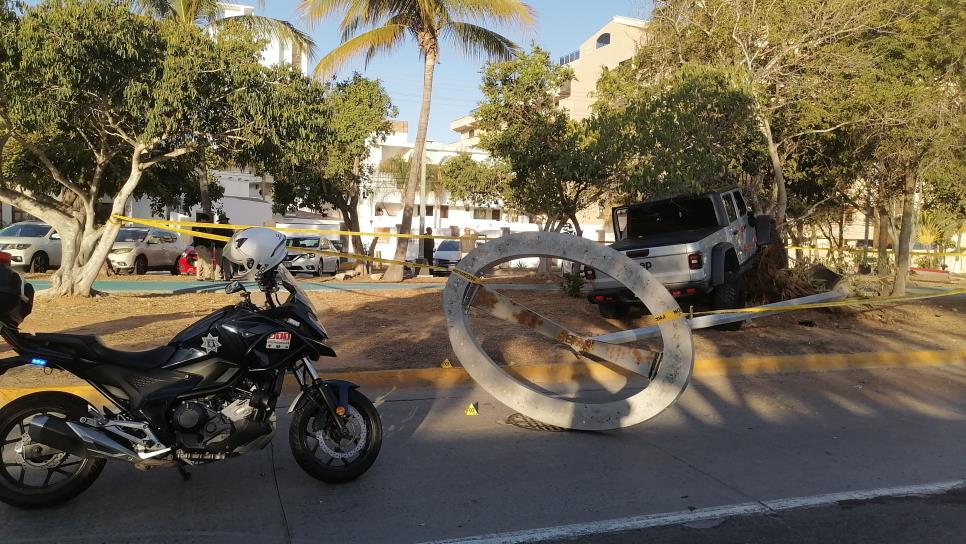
(666, 385)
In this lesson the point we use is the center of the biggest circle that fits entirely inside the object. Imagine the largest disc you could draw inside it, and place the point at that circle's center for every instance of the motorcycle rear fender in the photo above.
(12, 362)
(340, 387)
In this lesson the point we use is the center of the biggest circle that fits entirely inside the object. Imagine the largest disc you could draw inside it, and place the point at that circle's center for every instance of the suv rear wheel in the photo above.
(727, 296)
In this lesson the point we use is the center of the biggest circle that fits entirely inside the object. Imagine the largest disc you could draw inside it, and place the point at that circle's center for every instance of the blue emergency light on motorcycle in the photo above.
(37, 361)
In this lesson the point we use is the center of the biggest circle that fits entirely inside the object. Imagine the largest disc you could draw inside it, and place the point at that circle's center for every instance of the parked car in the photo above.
(311, 263)
(138, 250)
(447, 254)
(32, 245)
(698, 246)
(186, 263)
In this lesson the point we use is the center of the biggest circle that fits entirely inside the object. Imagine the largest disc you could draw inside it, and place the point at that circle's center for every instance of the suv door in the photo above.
(54, 248)
(153, 249)
(747, 235)
(171, 248)
(734, 232)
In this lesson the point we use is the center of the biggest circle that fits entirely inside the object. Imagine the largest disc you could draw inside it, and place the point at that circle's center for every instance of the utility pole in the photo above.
(422, 192)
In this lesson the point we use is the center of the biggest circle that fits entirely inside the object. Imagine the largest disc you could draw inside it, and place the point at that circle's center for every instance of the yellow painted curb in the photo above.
(440, 378)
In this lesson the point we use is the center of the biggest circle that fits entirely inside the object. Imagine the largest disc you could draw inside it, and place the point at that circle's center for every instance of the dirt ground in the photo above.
(406, 329)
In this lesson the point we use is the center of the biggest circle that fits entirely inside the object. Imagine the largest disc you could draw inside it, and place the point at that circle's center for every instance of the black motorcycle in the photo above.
(207, 395)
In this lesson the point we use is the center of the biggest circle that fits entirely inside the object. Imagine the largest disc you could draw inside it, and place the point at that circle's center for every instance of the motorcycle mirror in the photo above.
(235, 287)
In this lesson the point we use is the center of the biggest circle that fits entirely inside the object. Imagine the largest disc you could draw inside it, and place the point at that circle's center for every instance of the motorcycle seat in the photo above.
(90, 348)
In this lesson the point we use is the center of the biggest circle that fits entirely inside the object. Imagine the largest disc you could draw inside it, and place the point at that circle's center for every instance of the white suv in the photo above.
(32, 246)
(137, 250)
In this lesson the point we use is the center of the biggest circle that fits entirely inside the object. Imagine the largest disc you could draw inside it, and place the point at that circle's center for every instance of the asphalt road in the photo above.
(731, 440)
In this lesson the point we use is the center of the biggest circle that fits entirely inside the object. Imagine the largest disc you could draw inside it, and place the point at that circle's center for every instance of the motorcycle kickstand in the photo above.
(183, 471)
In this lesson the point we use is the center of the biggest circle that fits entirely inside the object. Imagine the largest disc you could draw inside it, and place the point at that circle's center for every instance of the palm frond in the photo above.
(267, 27)
(475, 40)
(368, 12)
(513, 12)
(158, 9)
(384, 38)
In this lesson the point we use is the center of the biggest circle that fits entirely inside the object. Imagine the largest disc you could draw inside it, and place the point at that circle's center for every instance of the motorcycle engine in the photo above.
(224, 423)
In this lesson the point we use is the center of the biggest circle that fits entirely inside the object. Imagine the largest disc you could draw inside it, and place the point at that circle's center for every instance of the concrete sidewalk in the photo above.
(730, 439)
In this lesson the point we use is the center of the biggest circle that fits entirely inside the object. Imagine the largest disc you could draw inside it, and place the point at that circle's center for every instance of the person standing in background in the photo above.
(429, 245)
(467, 243)
(203, 266)
(218, 247)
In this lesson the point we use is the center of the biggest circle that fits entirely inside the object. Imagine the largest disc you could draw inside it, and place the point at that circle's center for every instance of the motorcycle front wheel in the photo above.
(326, 453)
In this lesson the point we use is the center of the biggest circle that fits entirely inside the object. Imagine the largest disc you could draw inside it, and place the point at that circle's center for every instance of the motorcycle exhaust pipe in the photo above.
(78, 439)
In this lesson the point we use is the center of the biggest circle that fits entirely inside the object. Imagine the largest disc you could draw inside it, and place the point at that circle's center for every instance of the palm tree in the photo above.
(209, 14)
(370, 27)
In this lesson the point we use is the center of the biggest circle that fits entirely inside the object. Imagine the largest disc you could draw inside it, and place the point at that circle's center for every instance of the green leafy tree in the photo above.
(372, 27)
(209, 14)
(321, 157)
(794, 58)
(693, 129)
(559, 167)
(96, 100)
(475, 182)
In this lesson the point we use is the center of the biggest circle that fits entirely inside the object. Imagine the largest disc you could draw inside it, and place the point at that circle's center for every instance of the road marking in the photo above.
(620, 525)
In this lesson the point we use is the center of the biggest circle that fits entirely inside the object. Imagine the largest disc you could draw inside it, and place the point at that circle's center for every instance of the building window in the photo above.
(569, 57)
(849, 215)
(19, 215)
(479, 213)
(603, 39)
(444, 212)
(429, 210)
(472, 133)
(496, 215)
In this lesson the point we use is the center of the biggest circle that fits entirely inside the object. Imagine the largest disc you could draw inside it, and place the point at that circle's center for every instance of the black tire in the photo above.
(728, 296)
(175, 269)
(40, 262)
(305, 446)
(614, 310)
(140, 265)
(14, 487)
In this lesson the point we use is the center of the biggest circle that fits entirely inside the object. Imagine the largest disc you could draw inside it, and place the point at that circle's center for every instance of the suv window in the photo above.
(131, 235)
(168, 237)
(26, 230)
(740, 203)
(729, 207)
(669, 216)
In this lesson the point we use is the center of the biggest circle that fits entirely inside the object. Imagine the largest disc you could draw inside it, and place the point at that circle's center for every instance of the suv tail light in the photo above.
(696, 261)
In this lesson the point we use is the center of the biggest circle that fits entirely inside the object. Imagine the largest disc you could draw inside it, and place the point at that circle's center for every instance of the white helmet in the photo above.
(254, 251)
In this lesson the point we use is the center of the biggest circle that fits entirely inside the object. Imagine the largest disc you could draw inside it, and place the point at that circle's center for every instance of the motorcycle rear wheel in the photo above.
(41, 481)
(324, 455)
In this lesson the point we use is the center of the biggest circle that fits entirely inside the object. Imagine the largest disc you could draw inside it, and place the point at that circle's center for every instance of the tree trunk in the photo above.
(395, 272)
(203, 189)
(883, 248)
(781, 194)
(577, 229)
(905, 234)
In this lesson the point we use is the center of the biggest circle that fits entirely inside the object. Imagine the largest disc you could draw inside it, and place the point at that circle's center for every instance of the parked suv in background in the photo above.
(32, 245)
(698, 246)
(447, 254)
(137, 250)
(311, 263)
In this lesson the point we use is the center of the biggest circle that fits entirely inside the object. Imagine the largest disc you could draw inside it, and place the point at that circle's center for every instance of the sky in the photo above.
(561, 26)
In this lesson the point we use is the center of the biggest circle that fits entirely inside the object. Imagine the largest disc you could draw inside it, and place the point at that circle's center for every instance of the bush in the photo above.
(572, 285)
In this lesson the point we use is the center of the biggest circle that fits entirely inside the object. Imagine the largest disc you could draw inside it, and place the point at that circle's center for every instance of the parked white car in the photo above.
(311, 263)
(32, 245)
(447, 254)
(138, 250)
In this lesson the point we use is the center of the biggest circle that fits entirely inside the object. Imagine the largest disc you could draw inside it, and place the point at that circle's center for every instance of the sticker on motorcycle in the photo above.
(279, 340)
(210, 343)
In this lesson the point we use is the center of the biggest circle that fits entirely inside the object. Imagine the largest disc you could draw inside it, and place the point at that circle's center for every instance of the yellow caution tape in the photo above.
(162, 223)
(166, 225)
(834, 303)
(872, 251)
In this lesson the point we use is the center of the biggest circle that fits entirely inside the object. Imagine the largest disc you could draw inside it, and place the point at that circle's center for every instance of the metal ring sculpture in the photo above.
(668, 371)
